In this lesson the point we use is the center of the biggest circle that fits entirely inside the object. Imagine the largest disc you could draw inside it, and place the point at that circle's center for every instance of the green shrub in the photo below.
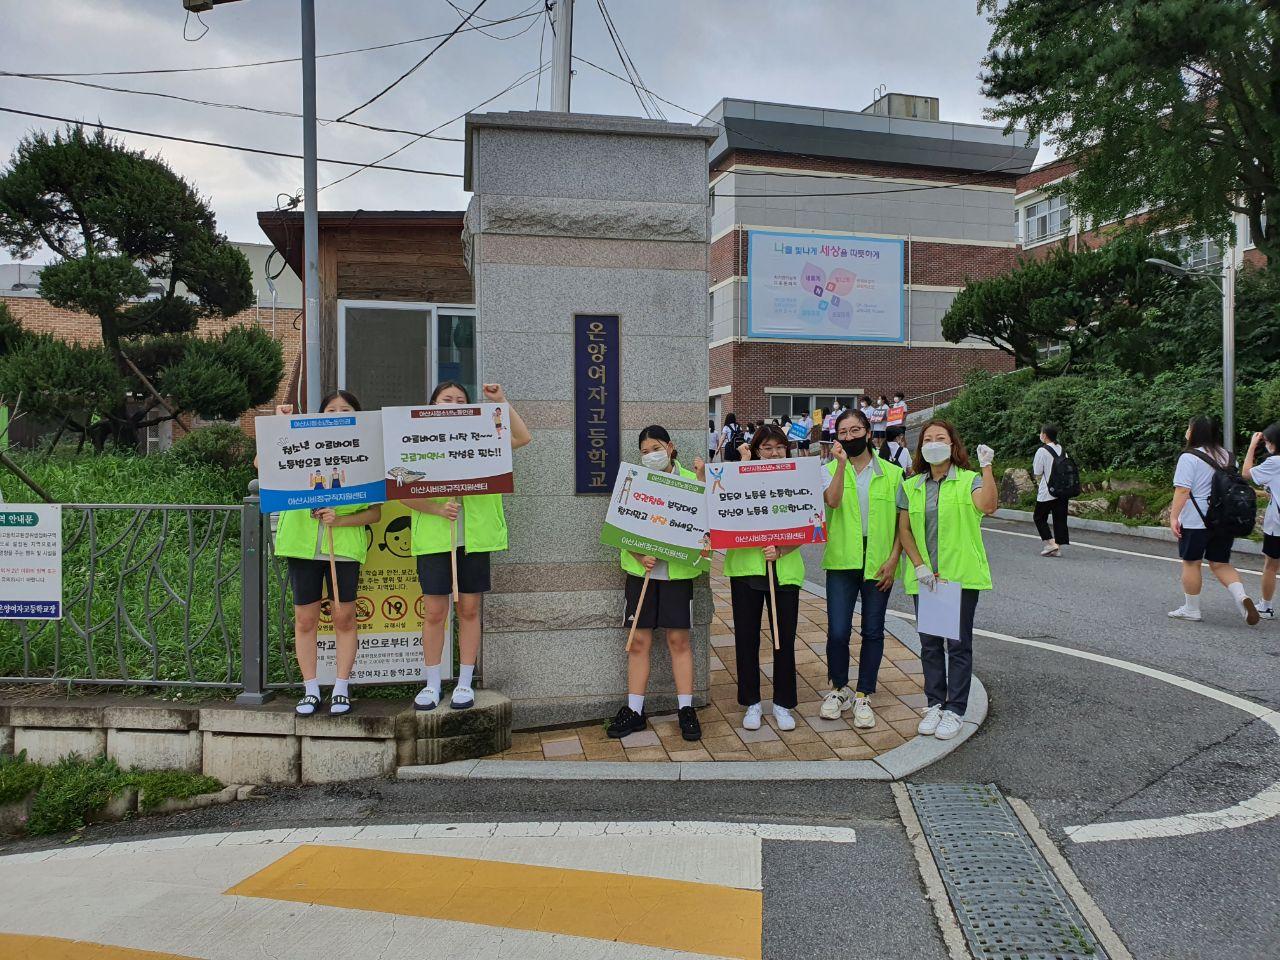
(221, 445)
(157, 786)
(71, 791)
(116, 477)
(18, 777)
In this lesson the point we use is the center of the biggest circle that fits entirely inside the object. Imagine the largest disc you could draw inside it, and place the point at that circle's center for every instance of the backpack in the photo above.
(1064, 475)
(1233, 506)
(736, 439)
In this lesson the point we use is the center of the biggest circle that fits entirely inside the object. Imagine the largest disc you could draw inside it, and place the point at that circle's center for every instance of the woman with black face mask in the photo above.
(861, 559)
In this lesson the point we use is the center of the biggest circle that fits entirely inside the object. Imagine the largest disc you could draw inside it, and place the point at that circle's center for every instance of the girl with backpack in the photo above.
(1267, 475)
(730, 438)
(1050, 502)
(1193, 485)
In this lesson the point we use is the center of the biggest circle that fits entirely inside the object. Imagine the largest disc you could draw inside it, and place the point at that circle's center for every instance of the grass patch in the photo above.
(18, 777)
(157, 786)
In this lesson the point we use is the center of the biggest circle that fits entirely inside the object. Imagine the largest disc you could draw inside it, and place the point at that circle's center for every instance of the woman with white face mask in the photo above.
(940, 511)
(666, 605)
(1267, 476)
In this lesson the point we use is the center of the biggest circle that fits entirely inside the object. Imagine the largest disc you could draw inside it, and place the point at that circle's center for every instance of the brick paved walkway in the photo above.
(898, 703)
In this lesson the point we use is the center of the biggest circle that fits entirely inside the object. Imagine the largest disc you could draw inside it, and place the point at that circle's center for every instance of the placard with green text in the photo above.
(658, 514)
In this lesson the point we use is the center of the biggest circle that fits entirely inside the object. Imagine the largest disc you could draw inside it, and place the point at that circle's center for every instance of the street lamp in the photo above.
(1228, 290)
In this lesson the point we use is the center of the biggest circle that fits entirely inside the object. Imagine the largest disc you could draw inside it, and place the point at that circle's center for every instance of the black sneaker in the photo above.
(626, 722)
(690, 728)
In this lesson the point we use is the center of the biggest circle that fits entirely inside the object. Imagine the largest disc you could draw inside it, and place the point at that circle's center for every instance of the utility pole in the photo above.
(310, 208)
(1229, 338)
(562, 54)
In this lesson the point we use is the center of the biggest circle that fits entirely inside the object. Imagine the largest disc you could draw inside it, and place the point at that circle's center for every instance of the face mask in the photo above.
(936, 452)
(855, 447)
(657, 460)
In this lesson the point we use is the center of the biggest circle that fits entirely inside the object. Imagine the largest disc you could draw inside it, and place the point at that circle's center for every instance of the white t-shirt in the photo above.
(1267, 474)
(1041, 464)
(1195, 475)
(711, 440)
(898, 454)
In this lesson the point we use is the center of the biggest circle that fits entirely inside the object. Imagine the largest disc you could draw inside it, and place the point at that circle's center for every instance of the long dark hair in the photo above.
(657, 432)
(1204, 432)
(959, 455)
(444, 385)
(763, 435)
(346, 395)
(856, 414)
(1271, 434)
(730, 419)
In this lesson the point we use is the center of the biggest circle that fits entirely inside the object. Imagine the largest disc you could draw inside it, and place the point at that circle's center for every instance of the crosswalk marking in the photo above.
(16, 946)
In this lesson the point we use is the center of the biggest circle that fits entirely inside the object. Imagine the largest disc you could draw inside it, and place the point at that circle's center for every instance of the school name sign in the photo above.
(447, 450)
(765, 503)
(308, 462)
(657, 514)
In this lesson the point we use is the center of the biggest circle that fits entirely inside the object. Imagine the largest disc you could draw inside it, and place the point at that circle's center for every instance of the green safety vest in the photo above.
(484, 527)
(750, 562)
(675, 569)
(844, 525)
(961, 556)
(297, 533)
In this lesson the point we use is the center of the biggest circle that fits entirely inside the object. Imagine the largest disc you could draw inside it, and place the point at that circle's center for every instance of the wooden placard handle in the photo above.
(453, 555)
(773, 604)
(635, 620)
(333, 573)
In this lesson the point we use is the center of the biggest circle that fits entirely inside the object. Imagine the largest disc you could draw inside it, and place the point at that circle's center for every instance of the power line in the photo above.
(628, 65)
(394, 83)
(270, 63)
(494, 36)
(214, 103)
(546, 16)
(227, 146)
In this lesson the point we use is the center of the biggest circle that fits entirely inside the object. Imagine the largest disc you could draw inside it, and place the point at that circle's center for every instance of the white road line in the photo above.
(1261, 806)
(1094, 546)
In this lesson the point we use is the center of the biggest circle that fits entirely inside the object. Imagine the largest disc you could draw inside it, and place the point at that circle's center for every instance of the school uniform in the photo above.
(947, 529)
(1047, 505)
(1197, 542)
(896, 454)
(304, 541)
(1267, 474)
(482, 530)
(670, 593)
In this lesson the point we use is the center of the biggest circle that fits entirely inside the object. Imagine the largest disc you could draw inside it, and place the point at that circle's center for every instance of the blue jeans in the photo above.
(844, 588)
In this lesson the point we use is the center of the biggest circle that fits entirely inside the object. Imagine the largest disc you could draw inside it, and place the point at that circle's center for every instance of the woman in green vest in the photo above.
(303, 536)
(860, 559)
(482, 530)
(940, 525)
(666, 605)
(747, 570)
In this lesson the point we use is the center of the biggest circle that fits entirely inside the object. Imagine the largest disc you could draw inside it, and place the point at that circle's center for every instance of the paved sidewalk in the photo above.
(898, 704)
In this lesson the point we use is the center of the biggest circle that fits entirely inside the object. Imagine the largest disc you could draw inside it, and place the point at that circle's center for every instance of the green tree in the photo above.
(1168, 106)
(1074, 299)
(139, 249)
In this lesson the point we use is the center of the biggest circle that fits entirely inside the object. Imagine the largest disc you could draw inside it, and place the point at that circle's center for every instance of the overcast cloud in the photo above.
(830, 53)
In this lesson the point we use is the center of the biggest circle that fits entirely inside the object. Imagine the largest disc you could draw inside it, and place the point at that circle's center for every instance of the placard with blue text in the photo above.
(327, 460)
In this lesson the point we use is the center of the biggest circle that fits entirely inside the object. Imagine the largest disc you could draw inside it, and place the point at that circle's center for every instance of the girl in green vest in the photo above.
(747, 570)
(666, 605)
(303, 537)
(482, 529)
(940, 525)
(860, 560)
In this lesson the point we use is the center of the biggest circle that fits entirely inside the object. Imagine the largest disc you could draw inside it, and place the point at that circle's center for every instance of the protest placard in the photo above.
(328, 460)
(797, 431)
(31, 562)
(658, 514)
(451, 450)
(765, 503)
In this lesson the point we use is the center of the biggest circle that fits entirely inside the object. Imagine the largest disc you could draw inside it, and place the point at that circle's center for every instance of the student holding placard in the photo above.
(860, 559)
(940, 525)
(666, 603)
(481, 530)
(316, 543)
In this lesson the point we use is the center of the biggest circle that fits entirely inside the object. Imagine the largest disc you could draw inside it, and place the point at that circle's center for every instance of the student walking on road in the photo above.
(1267, 475)
(666, 605)
(1198, 538)
(940, 526)
(895, 449)
(1051, 501)
(860, 559)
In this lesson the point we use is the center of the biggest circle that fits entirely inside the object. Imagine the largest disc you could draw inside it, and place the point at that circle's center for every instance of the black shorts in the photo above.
(1197, 545)
(666, 603)
(1271, 546)
(310, 580)
(435, 574)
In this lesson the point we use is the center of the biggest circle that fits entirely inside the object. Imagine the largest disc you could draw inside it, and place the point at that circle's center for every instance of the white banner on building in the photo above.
(806, 286)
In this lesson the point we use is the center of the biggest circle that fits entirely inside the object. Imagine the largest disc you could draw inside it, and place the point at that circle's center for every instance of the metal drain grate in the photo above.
(1008, 902)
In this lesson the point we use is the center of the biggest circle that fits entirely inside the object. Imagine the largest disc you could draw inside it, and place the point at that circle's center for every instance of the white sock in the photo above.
(312, 687)
(636, 702)
(1237, 591)
(340, 688)
(1266, 605)
(433, 677)
(1192, 603)
(465, 672)
(684, 699)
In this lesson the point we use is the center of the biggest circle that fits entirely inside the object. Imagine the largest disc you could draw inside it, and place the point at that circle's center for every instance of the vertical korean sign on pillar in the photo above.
(597, 392)
(31, 561)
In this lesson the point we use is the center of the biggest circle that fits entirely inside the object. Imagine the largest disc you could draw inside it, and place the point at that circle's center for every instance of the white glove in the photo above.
(986, 456)
(926, 576)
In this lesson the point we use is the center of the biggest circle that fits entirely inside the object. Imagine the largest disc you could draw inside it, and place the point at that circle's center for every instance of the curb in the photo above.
(895, 764)
(1241, 545)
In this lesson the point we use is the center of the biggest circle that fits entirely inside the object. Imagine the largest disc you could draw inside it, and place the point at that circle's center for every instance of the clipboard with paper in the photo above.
(938, 611)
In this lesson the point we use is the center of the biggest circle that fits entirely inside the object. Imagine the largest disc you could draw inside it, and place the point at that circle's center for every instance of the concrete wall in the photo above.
(558, 226)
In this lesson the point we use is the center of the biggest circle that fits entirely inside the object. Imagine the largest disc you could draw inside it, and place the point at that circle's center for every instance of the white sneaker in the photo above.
(948, 725)
(464, 698)
(929, 722)
(784, 718)
(1267, 613)
(863, 717)
(428, 698)
(1248, 611)
(752, 720)
(1050, 550)
(1183, 613)
(837, 702)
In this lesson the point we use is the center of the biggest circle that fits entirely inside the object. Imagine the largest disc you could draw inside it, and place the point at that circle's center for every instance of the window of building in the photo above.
(1045, 219)
(1199, 254)
(798, 404)
(1248, 232)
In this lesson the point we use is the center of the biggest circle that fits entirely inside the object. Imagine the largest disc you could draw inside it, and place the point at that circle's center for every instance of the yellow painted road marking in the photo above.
(17, 946)
(673, 914)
